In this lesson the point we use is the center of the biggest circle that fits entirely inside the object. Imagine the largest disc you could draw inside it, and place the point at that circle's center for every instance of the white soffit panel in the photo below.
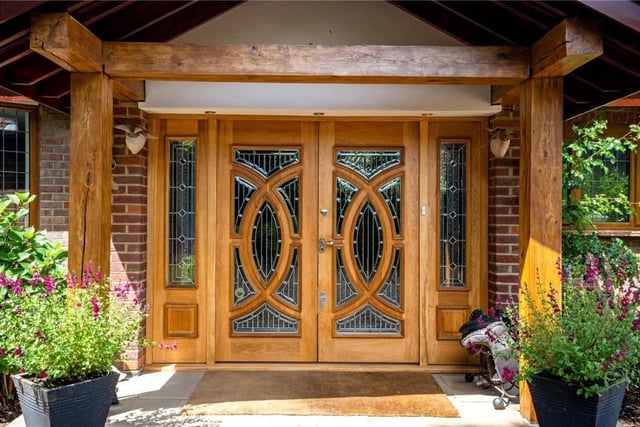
(326, 23)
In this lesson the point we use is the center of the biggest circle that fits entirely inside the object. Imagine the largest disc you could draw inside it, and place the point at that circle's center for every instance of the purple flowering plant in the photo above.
(64, 330)
(587, 336)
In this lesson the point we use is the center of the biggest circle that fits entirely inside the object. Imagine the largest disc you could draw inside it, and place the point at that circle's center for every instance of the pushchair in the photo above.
(487, 336)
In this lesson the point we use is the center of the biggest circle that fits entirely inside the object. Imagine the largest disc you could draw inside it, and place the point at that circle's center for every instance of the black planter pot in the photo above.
(83, 404)
(558, 405)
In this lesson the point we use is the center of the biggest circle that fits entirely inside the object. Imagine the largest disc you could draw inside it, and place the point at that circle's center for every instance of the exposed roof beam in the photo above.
(314, 64)
(66, 42)
(569, 45)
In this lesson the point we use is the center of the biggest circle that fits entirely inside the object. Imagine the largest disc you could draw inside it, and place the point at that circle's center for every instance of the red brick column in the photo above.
(129, 215)
(504, 273)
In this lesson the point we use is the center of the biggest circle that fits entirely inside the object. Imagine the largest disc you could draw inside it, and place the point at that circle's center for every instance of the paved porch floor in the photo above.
(156, 398)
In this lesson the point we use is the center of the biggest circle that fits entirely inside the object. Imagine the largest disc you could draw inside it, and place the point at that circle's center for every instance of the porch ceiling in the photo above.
(613, 75)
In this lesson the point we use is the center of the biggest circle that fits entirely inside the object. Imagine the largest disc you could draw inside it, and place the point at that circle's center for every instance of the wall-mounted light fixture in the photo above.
(135, 136)
(499, 141)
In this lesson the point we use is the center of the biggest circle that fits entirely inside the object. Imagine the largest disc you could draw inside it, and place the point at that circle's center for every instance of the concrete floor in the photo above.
(156, 399)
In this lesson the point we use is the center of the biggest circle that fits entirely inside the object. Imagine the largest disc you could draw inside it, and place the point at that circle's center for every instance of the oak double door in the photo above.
(317, 248)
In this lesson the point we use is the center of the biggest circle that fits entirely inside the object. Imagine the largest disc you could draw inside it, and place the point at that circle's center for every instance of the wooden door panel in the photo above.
(456, 262)
(178, 275)
(267, 286)
(368, 272)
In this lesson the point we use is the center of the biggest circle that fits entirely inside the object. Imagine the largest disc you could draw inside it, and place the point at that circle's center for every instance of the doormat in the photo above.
(382, 394)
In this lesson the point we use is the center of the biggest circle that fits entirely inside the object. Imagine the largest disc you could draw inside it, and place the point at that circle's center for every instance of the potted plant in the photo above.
(580, 346)
(62, 335)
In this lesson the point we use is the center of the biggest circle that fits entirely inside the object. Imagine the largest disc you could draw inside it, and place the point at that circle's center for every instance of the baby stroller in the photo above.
(488, 337)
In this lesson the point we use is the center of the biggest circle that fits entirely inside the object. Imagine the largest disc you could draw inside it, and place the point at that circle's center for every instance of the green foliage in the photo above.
(590, 156)
(23, 249)
(66, 330)
(589, 337)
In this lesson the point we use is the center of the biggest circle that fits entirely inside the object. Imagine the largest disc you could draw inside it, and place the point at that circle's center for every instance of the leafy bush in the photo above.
(64, 331)
(23, 249)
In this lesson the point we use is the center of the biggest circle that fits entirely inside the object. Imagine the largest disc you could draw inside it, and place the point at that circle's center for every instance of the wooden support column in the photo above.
(90, 176)
(540, 191)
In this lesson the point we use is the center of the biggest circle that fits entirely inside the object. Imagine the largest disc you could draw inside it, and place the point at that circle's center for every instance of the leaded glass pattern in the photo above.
(14, 151)
(244, 190)
(368, 163)
(368, 320)
(182, 213)
(289, 290)
(368, 242)
(344, 194)
(267, 162)
(242, 289)
(391, 291)
(265, 320)
(392, 192)
(290, 193)
(344, 289)
(266, 241)
(268, 217)
(453, 215)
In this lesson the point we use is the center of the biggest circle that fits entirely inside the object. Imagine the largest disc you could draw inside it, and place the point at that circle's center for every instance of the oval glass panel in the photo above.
(367, 242)
(266, 241)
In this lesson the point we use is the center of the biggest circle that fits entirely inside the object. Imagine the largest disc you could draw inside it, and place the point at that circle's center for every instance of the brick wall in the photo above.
(53, 192)
(129, 198)
(504, 273)
(129, 214)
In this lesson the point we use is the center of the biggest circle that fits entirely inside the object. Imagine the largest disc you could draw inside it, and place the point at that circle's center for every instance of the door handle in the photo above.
(325, 242)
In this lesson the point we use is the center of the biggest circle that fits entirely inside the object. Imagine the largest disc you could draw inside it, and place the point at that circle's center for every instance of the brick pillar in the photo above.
(53, 191)
(503, 219)
(129, 215)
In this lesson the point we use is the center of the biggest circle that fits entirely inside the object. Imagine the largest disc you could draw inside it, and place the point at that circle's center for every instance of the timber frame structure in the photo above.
(530, 77)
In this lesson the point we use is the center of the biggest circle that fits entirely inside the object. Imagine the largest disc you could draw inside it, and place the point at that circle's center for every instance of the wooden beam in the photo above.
(91, 135)
(313, 64)
(63, 40)
(540, 204)
(569, 45)
(505, 95)
(128, 90)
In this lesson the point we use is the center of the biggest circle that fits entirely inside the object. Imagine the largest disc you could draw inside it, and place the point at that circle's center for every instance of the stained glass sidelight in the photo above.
(267, 162)
(266, 241)
(368, 163)
(368, 242)
(368, 320)
(182, 213)
(453, 215)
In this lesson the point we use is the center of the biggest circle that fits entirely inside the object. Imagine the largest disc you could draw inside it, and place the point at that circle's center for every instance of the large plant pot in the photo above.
(83, 404)
(557, 403)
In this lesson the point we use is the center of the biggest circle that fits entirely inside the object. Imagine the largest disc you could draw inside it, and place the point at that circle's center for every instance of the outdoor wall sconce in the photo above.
(499, 140)
(135, 136)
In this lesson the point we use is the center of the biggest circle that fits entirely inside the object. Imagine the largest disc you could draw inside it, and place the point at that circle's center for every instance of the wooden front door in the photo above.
(315, 260)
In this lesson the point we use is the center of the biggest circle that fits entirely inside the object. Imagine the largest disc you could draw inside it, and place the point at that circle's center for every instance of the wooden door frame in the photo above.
(428, 224)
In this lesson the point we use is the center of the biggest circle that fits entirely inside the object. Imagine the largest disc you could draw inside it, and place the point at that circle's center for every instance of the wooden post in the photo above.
(540, 191)
(91, 136)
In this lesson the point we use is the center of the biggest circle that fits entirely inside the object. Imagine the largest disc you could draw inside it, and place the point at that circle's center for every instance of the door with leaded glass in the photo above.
(368, 242)
(267, 271)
